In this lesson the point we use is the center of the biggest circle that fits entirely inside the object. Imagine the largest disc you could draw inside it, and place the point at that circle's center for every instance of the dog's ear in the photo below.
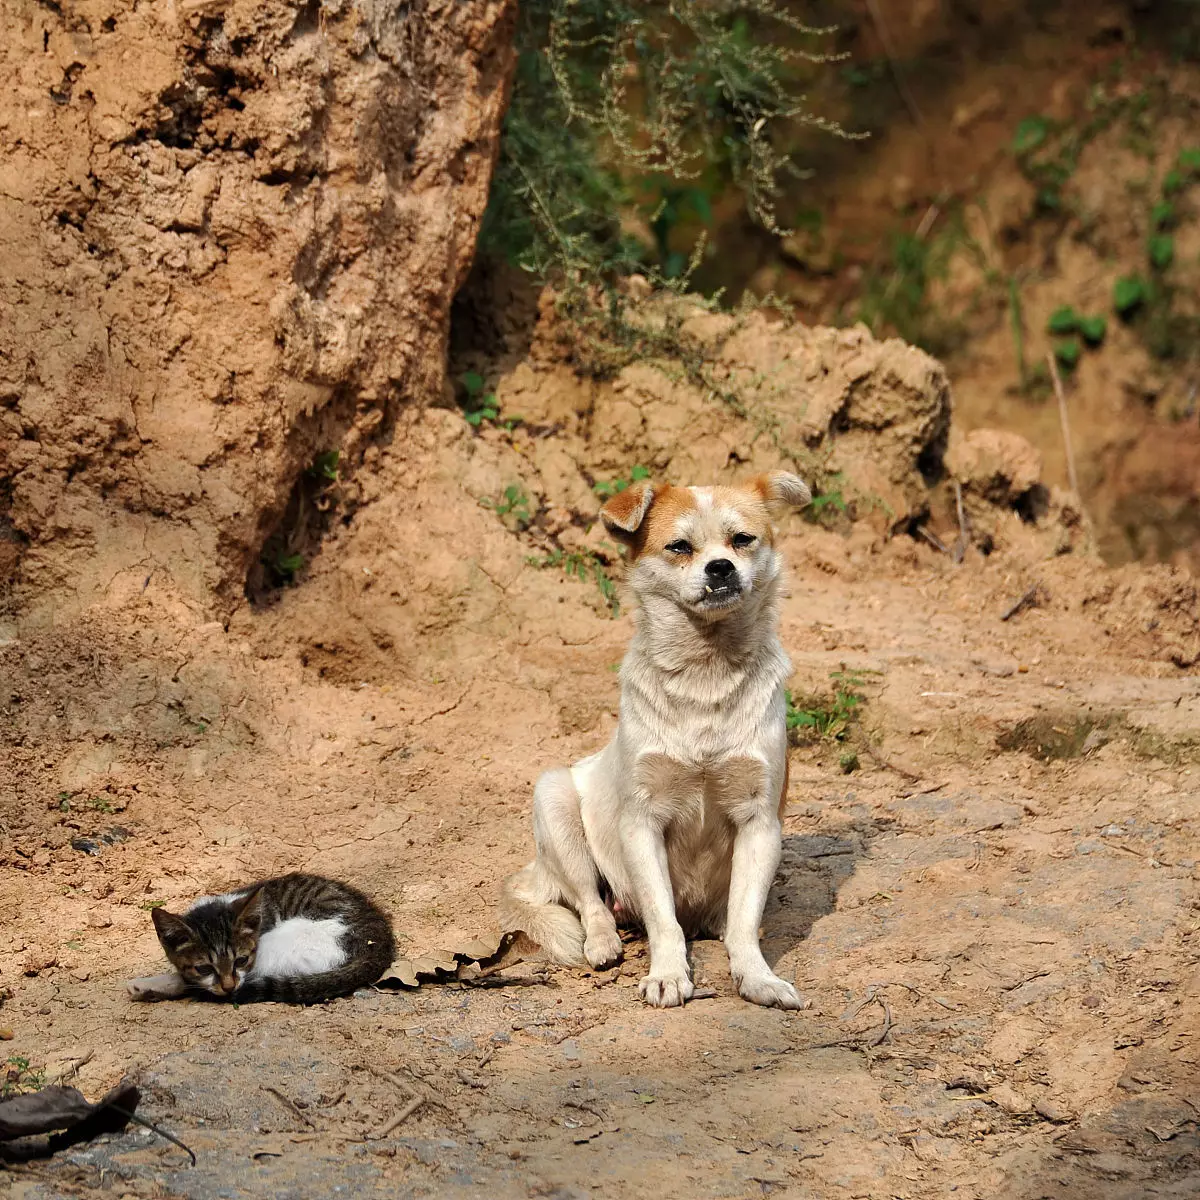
(624, 513)
(782, 489)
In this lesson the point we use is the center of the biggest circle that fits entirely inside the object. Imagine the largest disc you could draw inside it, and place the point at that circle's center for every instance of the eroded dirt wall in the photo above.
(230, 233)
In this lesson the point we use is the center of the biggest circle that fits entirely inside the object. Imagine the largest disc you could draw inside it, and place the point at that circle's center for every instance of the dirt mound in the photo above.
(231, 236)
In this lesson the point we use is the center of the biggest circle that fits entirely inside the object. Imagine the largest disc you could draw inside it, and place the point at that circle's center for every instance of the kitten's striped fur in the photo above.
(298, 938)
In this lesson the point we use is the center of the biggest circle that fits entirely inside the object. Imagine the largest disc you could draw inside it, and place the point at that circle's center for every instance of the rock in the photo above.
(1051, 1111)
(996, 465)
(1009, 1100)
(98, 920)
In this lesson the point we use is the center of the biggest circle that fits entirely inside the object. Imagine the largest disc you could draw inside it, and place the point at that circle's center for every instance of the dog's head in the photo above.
(707, 548)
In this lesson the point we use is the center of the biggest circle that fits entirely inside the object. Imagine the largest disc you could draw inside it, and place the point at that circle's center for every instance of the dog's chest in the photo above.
(682, 792)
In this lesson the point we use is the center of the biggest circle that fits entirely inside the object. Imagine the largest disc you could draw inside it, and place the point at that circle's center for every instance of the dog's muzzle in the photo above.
(721, 583)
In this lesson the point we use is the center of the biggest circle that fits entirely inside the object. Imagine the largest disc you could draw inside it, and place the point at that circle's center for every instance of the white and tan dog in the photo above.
(678, 817)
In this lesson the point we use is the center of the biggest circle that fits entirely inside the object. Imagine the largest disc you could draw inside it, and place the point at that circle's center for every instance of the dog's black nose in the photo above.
(719, 568)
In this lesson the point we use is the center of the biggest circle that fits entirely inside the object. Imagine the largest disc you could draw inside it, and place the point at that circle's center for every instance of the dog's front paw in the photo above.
(769, 990)
(666, 991)
(602, 948)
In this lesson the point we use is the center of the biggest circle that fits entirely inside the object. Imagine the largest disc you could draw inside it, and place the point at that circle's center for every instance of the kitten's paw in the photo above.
(769, 990)
(154, 987)
(602, 948)
(666, 991)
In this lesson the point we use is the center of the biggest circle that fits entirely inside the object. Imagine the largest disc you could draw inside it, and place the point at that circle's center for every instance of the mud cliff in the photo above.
(231, 233)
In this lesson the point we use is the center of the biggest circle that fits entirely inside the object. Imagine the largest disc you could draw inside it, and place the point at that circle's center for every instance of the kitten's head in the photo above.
(213, 947)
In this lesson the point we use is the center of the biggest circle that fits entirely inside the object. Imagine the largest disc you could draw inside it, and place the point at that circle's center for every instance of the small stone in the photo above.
(1009, 1099)
(6, 1035)
(1092, 1001)
(97, 920)
(1054, 1113)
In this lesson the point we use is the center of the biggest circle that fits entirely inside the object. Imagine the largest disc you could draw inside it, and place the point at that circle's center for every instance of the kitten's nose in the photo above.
(719, 568)
(228, 983)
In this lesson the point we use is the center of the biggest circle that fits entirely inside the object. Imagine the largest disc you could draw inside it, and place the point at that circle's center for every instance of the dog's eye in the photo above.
(683, 546)
(740, 541)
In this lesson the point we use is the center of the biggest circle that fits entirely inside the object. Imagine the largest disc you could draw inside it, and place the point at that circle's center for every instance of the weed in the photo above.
(848, 762)
(582, 564)
(828, 505)
(609, 488)
(483, 406)
(1067, 353)
(827, 718)
(514, 503)
(1017, 324)
(1129, 294)
(1093, 329)
(895, 299)
(1160, 249)
(149, 904)
(612, 98)
(18, 1078)
(325, 466)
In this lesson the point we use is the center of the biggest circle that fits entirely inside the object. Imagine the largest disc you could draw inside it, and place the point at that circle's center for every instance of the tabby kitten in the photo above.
(298, 938)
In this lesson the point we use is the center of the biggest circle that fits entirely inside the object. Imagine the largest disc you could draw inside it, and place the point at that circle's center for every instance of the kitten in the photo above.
(298, 938)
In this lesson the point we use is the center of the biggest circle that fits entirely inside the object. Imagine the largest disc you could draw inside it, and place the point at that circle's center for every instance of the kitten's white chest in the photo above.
(300, 946)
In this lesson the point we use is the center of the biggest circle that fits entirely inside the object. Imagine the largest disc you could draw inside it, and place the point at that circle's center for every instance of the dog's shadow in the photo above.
(811, 870)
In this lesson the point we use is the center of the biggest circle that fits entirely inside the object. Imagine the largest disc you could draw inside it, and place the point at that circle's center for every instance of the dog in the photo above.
(676, 824)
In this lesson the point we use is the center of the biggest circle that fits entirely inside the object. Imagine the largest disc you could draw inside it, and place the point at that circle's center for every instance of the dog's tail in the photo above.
(531, 904)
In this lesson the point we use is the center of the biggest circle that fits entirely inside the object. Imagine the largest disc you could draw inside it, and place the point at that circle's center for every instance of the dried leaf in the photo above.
(401, 972)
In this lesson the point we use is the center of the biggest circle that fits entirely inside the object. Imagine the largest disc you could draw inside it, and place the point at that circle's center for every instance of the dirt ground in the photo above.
(992, 918)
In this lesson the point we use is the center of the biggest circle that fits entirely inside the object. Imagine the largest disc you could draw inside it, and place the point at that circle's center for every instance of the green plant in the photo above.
(848, 762)
(1067, 353)
(606, 489)
(19, 1078)
(827, 717)
(514, 502)
(895, 297)
(480, 406)
(829, 504)
(1163, 215)
(1161, 250)
(1063, 320)
(325, 466)
(1093, 329)
(616, 99)
(1129, 293)
(582, 564)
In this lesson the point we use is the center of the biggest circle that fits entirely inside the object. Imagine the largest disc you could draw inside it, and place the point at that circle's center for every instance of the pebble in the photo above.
(6, 1035)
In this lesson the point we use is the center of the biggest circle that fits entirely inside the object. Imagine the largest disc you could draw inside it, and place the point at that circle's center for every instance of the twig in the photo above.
(1066, 425)
(1029, 599)
(162, 1133)
(903, 772)
(882, 1035)
(399, 1119)
(933, 539)
(964, 532)
(290, 1105)
(72, 1068)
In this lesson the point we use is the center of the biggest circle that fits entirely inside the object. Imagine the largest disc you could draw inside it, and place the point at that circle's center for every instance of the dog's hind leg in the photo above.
(564, 873)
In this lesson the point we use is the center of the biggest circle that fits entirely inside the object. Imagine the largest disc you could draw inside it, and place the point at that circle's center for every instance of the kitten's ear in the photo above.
(624, 513)
(782, 489)
(247, 913)
(173, 932)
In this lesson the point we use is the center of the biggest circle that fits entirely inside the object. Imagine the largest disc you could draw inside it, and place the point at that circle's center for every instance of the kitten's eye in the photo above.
(683, 546)
(241, 960)
(740, 541)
